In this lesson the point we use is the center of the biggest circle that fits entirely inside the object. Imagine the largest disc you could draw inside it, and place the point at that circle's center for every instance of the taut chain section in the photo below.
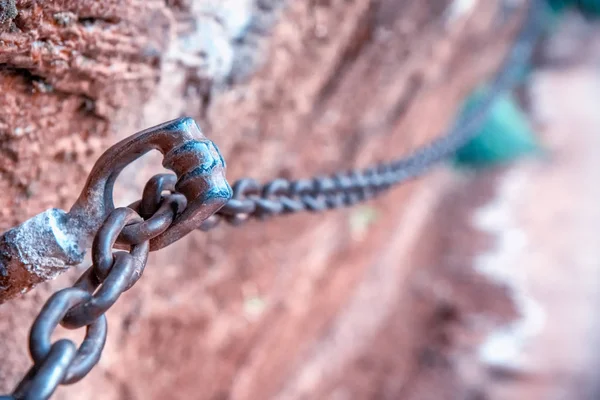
(196, 197)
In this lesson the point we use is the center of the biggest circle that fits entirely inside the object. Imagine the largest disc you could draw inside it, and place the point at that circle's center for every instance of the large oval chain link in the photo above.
(97, 290)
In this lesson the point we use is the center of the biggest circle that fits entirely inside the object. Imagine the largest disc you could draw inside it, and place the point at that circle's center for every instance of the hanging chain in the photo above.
(85, 303)
(138, 226)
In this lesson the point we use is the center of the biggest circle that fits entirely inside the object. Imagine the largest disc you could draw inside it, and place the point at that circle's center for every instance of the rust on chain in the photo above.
(51, 242)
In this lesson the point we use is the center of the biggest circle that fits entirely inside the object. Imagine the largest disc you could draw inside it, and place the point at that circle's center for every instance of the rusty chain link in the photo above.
(148, 224)
(91, 296)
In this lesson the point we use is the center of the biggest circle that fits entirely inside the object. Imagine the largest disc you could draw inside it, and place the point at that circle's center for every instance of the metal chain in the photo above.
(112, 273)
(86, 302)
(252, 200)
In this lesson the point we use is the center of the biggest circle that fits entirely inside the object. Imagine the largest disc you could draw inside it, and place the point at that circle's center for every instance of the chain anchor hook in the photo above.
(49, 243)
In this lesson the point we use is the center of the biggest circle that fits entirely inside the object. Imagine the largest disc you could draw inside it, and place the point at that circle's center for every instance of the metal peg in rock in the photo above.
(49, 243)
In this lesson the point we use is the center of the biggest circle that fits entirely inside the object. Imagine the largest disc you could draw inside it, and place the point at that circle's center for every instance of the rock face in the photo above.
(332, 306)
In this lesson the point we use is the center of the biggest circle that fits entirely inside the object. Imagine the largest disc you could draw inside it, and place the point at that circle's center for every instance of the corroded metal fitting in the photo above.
(49, 243)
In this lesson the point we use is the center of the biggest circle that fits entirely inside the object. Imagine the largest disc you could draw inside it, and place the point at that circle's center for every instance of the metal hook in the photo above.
(47, 244)
(196, 161)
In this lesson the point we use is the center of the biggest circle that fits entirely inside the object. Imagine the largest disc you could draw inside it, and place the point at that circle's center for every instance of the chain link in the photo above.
(99, 287)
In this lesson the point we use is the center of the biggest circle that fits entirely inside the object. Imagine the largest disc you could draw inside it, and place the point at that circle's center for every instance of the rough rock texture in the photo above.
(293, 308)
